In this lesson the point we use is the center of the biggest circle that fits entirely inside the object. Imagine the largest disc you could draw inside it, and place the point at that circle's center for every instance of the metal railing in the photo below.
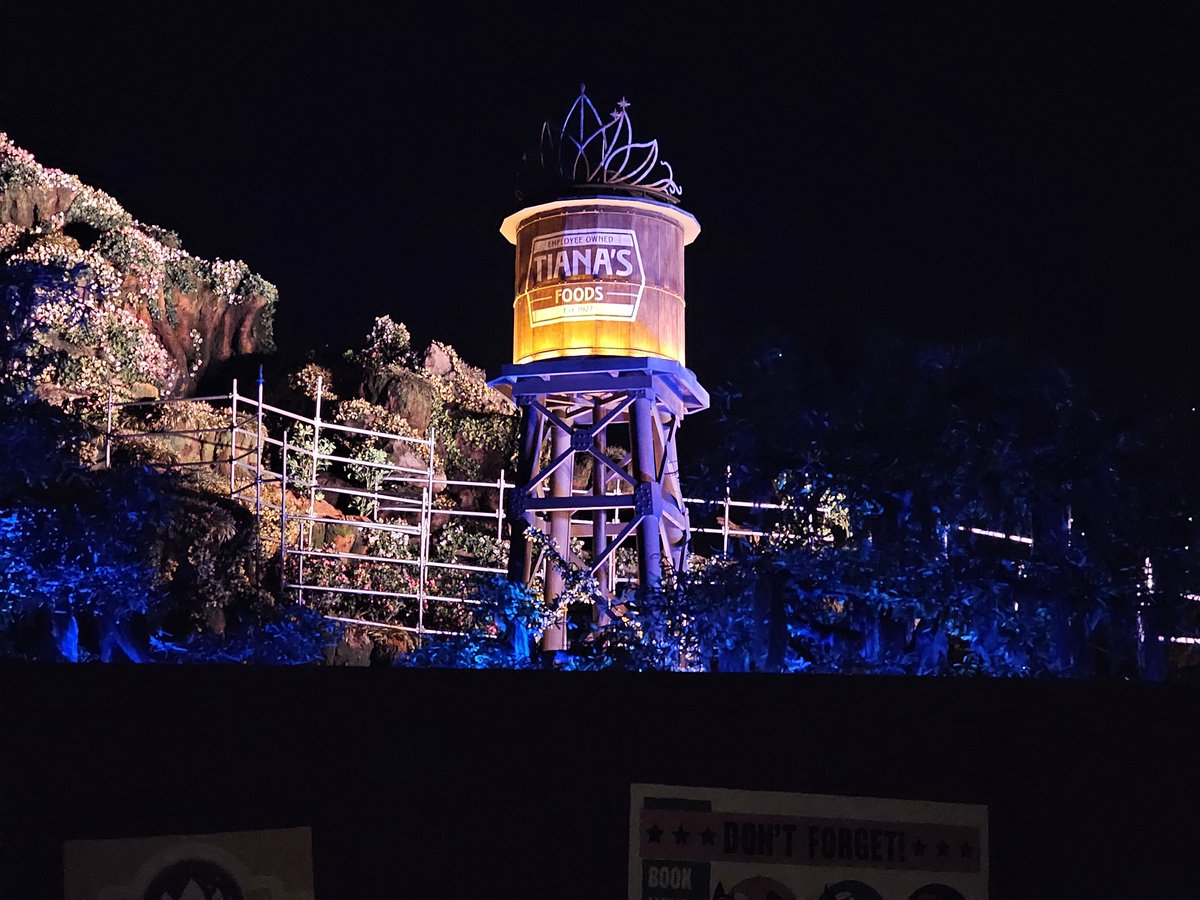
(274, 454)
(271, 454)
(274, 473)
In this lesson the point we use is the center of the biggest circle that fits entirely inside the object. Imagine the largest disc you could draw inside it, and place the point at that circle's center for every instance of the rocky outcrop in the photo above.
(202, 312)
(206, 328)
(30, 205)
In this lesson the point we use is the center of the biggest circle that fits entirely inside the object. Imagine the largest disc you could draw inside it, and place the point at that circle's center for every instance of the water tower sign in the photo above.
(600, 277)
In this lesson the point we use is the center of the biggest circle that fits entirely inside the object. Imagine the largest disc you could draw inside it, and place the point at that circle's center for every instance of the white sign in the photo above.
(688, 843)
(585, 273)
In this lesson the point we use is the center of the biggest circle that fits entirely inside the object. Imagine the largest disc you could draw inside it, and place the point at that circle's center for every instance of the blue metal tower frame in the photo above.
(570, 408)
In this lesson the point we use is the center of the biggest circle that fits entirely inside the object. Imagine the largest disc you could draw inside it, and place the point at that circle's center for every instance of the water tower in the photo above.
(598, 366)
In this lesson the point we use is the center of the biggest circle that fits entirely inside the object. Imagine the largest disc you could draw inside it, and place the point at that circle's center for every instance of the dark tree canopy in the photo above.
(959, 507)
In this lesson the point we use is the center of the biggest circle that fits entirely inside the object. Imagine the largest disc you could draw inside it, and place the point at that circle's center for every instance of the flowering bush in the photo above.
(9, 235)
(61, 328)
(388, 346)
(364, 414)
(306, 459)
(304, 381)
(97, 209)
(368, 476)
(227, 275)
(18, 168)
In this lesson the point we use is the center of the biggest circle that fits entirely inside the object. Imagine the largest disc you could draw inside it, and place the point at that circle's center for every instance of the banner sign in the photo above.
(592, 273)
(719, 844)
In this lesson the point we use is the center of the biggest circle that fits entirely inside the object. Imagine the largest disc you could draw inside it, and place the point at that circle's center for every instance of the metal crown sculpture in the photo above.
(587, 153)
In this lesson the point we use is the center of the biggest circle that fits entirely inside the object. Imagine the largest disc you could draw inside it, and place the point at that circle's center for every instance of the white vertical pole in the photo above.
(312, 485)
(283, 522)
(426, 516)
(500, 509)
(233, 399)
(305, 529)
(258, 451)
(108, 430)
(258, 480)
(725, 523)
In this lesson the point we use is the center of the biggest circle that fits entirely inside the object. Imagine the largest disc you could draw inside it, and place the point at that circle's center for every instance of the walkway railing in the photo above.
(383, 559)
(273, 459)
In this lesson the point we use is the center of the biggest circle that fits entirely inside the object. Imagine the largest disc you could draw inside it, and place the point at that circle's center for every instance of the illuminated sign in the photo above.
(584, 273)
(692, 843)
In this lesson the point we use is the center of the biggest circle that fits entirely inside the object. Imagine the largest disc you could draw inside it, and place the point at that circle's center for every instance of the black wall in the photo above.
(473, 784)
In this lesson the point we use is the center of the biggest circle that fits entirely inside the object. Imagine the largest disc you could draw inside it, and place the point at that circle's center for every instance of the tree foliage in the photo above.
(988, 514)
(127, 564)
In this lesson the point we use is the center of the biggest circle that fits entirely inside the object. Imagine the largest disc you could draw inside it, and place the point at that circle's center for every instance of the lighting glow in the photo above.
(997, 534)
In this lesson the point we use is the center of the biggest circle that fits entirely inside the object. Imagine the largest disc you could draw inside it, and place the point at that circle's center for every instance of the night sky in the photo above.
(941, 170)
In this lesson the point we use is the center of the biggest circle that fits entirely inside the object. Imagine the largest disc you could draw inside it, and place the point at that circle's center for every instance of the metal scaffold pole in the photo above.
(283, 520)
(108, 430)
(233, 429)
(258, 444)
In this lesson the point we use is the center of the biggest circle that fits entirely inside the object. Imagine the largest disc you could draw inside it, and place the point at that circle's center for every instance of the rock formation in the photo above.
(200, 312)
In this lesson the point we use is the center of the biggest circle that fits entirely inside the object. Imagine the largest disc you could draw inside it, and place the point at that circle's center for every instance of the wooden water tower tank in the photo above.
(599, 276)
(599, 262)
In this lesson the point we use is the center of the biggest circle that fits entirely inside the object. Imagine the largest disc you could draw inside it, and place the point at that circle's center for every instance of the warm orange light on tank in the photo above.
(599, 277)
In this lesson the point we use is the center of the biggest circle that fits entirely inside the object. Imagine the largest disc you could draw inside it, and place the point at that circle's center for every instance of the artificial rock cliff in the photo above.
(202, 312)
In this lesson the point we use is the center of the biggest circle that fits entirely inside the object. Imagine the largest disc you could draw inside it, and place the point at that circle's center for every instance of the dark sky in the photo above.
(947, 170)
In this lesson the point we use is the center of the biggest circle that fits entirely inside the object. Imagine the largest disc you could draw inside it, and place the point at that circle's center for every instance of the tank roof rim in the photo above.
(681, 217)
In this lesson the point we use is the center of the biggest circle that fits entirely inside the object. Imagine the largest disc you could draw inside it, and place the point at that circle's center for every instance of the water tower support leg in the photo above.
(600, 516)
(561, 480)
(519, 518)
(647, 495)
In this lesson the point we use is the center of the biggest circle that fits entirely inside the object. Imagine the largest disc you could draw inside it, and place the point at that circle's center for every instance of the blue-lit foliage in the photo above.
(883, 461)
(127, 564)
(505, 630)
(945, 511)
(886, 459)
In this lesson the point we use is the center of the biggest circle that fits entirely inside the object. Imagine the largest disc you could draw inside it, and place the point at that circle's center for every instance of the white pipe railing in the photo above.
(247, 422)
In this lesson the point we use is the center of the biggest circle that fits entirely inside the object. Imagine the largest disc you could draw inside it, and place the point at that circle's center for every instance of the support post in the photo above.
(725, 518)
(648, 505)
(316, 443)
(258, 442)
(520, 519)
(305, 529)
(283, 521)
(500, 485)
(600, 614)
(561, 482)
(426, 524)
(233, 429)
(108, 430)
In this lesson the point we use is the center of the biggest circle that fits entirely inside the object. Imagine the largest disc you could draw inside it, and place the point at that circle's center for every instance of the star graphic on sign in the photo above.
(943, 848)
(681, 836)
(708, 836)
(654, 833)
(918, 847)
(965, 849)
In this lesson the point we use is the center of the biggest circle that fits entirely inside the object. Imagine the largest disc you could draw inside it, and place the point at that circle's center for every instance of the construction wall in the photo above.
(477, 784)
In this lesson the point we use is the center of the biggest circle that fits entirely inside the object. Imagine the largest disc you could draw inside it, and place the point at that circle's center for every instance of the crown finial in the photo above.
(588, 154)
